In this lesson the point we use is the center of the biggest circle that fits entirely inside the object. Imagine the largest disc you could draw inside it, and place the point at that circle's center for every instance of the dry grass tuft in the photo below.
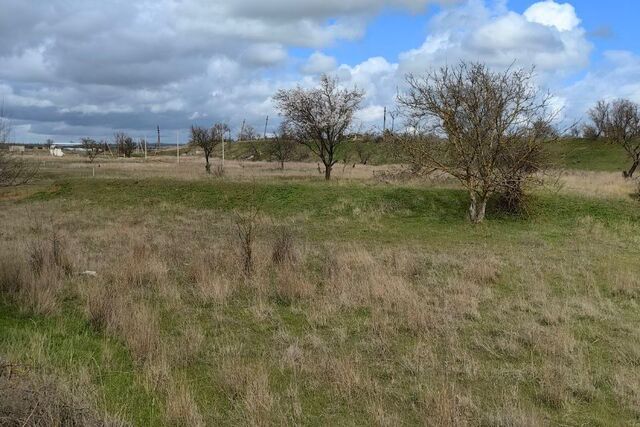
(181, 407)
(28, 399)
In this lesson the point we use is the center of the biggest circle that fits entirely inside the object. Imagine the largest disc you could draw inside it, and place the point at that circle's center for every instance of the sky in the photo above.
(88, 68)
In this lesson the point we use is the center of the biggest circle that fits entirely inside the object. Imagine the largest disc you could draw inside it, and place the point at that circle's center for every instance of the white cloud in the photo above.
(560, 16)
(319, 63)
(617, 77)
(547, 36)
(76, 66)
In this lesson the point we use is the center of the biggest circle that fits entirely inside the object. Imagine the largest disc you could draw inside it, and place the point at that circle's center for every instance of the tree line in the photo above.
(485, 128)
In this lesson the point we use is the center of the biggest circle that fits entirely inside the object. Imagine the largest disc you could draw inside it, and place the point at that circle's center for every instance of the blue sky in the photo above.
(89, 68)
(394, 30)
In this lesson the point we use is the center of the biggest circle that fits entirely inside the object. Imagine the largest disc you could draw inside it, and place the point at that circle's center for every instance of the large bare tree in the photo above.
(480, 126)
(619, 123)
(208, 139)
(320, 117)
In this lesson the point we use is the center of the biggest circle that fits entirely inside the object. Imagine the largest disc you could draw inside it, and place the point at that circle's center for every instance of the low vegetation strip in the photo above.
(426, 205)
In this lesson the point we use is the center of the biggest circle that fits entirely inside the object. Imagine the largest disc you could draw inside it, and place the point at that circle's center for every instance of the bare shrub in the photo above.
(482, 127)
(245, 227)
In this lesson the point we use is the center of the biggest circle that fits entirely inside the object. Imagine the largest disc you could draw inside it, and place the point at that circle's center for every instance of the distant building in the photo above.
(16, 148)
(55, 151)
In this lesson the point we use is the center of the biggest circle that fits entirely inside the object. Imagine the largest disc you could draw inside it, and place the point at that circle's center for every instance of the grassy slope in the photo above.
(370, 215)
(578, 154)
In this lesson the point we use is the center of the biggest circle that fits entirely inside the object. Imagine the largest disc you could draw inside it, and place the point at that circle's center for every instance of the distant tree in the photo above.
(622, 127)
(124, 144)
(92, 148)
(248, 133)
(481, 127)
(208, 139)
(599, 117)
(282, 147)
(320, 118)
(49, 143)
(589, 132)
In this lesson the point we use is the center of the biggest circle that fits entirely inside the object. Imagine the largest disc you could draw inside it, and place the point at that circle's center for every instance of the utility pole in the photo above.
(222, 140)
(384, 121)
(178, 145)
(145, 147)
(158, 142)
(266, 123)
(242, 130)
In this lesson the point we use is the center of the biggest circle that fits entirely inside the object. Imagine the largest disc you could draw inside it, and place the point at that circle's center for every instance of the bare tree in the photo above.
(13, 170)
(622, 126)
(124, 144)
(283, 146)
(208, 139)
(482, 128)
(92, 148)
(320, 118)
(248, 133)
(599, 117)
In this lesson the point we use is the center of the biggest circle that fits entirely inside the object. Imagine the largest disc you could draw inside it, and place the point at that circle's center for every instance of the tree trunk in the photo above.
(207, 165)
(282, 164)
(477, 208)
(630, 172)
(327, 172)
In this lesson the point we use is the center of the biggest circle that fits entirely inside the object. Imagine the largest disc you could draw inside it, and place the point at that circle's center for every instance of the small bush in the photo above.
(245, 224)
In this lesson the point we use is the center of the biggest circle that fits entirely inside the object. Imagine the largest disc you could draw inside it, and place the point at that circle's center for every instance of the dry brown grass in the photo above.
(525, 332)
(30, 398)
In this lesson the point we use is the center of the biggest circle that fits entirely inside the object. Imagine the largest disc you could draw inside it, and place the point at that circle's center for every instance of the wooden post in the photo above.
(222, 139)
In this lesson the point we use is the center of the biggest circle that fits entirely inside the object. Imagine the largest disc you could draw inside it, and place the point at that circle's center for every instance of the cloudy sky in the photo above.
(72, 68)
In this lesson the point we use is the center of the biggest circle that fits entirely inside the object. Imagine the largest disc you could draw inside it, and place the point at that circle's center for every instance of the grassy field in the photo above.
(366, 302)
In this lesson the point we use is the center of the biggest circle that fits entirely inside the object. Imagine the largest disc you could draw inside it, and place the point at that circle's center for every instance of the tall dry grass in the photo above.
(434, 335)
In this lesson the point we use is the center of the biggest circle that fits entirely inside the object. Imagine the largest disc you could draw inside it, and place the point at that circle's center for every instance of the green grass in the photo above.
(346, 212)
(583, 154)
(69, 345)
(579, 154)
